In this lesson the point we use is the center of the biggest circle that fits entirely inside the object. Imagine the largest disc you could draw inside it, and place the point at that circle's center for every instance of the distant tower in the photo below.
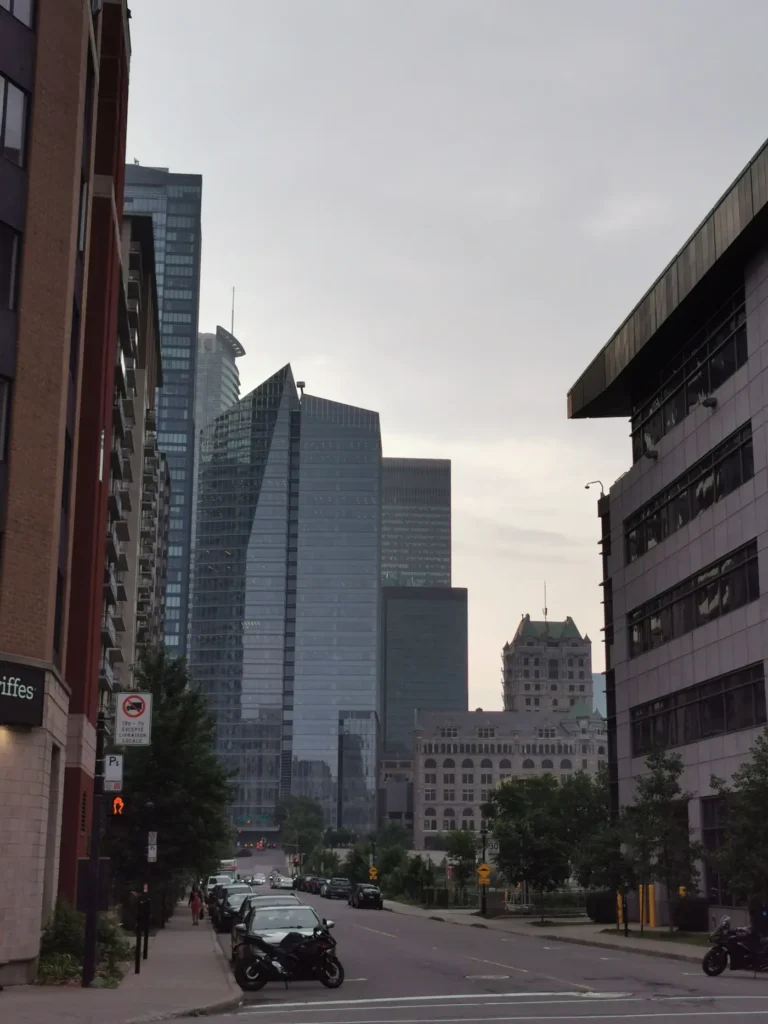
(547, 667)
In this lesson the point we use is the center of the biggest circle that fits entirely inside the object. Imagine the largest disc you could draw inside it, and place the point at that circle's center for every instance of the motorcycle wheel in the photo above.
(248, 977)
(715, 961)
(331, 973)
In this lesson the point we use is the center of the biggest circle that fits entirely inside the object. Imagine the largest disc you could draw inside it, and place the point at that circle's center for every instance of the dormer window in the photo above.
(449, 732)
(486, 734)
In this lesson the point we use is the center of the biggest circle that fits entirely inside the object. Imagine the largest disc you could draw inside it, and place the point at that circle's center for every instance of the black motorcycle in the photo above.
(737, 948)
(296, 958)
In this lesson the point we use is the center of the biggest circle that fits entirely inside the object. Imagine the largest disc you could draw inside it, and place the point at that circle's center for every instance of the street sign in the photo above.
(113, 773)
(373, 873)
(152, 853)
(152, 839)
(483, 880)
(133, 720)
(483, 871)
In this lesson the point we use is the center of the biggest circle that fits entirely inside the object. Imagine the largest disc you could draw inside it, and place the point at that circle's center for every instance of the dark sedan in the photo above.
(227, 898)
(250, 903)
(315, 885)
(365, 895)
(337, 889)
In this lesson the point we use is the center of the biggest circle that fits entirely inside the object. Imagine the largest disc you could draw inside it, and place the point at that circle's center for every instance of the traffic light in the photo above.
(296, 862)
(117, 806)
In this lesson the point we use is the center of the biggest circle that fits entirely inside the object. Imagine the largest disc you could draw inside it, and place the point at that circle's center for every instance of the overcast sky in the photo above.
(441, 210)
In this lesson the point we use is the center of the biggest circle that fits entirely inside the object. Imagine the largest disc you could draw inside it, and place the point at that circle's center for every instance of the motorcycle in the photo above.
(297, 958)
(736, 948)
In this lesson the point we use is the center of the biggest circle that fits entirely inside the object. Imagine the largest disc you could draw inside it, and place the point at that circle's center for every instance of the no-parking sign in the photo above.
(133, 721)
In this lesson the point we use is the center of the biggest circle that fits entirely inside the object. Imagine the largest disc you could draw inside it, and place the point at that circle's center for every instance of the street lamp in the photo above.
(592, 483)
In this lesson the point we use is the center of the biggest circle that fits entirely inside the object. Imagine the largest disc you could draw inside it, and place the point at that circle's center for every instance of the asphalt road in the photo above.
(406, 970)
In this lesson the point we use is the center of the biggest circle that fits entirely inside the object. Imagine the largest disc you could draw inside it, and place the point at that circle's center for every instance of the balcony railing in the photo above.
(118, 617)
(106, 675)
(108, 635)
(120, 374)
(123, 532)
(110, 586)
(127, 470)
(118, 417)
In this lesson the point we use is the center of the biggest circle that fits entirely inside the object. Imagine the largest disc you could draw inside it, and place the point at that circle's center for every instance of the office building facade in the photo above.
(547, 666)
(285, 619)
(175, 203)
(416, 523)
(685, 529)
(64, 86)
(460, 757)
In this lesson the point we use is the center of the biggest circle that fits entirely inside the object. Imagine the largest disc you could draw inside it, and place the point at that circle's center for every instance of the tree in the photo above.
(741, 857)
(336, 837)
(301, 823)
(461, 848)
(595, 837)
(394, 834)
(323, 862)
(356, 865)
(176, 786)
(526, 820)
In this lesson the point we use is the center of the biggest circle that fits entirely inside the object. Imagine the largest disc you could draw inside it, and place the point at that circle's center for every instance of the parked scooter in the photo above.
(740, 949)
(297, 958)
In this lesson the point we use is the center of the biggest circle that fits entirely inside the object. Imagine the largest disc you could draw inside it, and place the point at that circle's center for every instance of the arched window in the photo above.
(467, 763)
(448, 763)
(467, 812)
(528, 763)
(601, 750)
(553, 687)
(486, 763)
(547, 764)
(505, 763)
(430, 763)
(559, 748)
(553, 668)
(565, 763)
(449, 813)
(430, 812)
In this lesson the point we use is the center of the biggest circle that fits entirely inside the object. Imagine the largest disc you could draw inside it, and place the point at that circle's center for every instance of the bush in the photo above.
(601, 906)
(63, 945)
(65, 933)
(57, 969)
(690, 914)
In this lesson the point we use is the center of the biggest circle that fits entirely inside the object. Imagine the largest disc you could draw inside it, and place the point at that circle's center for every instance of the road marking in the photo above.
(487, 977)
(285, 1007)
(523, 970)
(375, 931)
(520, 970)
(580, 1017)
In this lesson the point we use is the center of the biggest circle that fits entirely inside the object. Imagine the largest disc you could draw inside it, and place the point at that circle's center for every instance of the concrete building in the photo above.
(64, 82)
(547, 666)
(460, 757)
(285, 620)
(685, 529)
(416, 523)
(175, 203)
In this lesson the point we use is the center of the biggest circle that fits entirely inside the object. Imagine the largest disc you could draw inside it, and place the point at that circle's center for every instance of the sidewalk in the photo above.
(580, 935)
(185, 971)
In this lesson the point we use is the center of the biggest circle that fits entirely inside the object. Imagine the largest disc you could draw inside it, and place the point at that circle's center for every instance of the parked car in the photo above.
(316, 885)
(213, 880)
(282, 882)
(220, 900)
(228, 912)
(337, 889)
(366, 895)
(288, 899)
(299, 882)
(259, 879)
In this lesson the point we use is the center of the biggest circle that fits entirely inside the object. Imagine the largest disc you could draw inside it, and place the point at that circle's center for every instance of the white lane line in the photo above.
(698, 1014)
(319, 1008)
(539, 974)
(509, 967)
(376, 931)
(275, 1007)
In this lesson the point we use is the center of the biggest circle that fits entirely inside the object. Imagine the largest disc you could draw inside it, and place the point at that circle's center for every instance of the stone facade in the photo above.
(547, 667)
(460, 757)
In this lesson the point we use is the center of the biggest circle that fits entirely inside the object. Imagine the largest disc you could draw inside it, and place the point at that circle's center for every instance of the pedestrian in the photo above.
(197, 905)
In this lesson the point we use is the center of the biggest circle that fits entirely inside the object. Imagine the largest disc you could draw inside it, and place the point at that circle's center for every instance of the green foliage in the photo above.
(63, 944)
(394, 834)
(180, 775)
(323, 863)
(57, 969)
(301, 823)
(742, 856)
(461, 848)
(64, 934)
(356, 865)
(338, 837)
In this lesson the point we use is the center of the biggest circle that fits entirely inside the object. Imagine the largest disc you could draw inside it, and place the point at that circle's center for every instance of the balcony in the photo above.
(118, 417)
(128, 441)
(148, 526)
(134, 308)
(151, 419)
(110, 586)
(122, 559)
(106, 675)
(123, 533)
(122, 593)
(129, 408)
(116, 458)
(127, 470)
(114, 547)
(121, 382)
(130, 366)
(125, 497)
(114, 500)
(150, 441)
(118, 617)
(115, 654)
(108, 634)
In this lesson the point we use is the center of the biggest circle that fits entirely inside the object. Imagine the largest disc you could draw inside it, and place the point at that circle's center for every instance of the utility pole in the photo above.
(483, 888)
(94, 855)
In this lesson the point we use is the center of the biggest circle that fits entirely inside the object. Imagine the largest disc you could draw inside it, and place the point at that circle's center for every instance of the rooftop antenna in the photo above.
(301, 385)
(545, 602)
(232, 331)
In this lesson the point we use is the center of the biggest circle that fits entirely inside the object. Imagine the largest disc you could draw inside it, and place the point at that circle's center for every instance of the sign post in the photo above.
(92, 911)
(113, 773)
(133, 720)
(373, 873)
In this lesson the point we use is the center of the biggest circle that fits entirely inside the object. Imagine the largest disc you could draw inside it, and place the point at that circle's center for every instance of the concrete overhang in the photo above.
(725, 236)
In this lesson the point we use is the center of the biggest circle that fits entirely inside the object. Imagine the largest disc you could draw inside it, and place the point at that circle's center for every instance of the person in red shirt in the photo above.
(196, 904)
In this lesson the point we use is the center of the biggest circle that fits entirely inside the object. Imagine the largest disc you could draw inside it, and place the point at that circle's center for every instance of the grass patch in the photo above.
(690, 938)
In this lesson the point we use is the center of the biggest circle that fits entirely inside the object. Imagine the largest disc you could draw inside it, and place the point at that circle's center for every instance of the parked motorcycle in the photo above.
(297, 958)
(737, 948)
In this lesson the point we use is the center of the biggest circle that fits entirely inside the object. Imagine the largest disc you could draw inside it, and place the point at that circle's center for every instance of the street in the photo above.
(407, 970)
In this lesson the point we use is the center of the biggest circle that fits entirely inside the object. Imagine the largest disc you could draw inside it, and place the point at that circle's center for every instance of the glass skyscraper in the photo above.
(416, 523)
(175, 201)
(285, 619)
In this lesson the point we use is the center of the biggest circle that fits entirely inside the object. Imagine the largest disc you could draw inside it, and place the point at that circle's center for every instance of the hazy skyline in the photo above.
(441, 210)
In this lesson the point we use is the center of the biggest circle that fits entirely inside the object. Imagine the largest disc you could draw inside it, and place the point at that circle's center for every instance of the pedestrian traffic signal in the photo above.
(117, 805)
(296, 861)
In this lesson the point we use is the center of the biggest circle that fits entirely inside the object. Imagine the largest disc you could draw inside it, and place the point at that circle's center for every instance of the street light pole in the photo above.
(94, 855)
(483, 888)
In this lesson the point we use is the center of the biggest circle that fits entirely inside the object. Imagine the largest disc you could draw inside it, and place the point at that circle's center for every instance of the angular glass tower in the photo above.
(175, 202)
(416, 523)
(285, 619)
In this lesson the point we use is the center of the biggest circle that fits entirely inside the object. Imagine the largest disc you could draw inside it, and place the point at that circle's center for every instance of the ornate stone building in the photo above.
(547, 667)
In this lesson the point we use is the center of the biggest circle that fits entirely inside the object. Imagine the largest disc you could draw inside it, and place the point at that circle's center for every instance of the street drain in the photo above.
(487, 977)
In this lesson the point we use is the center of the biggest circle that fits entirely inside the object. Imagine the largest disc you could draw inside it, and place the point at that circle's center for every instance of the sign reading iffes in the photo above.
(133, 720)
(22, 694)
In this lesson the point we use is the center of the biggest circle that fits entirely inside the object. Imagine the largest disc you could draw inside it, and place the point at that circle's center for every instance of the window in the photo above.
(527, 701)
(712, 478)
(449, 763)
(468, 796)
(721, 705)
(430, 794)
(486, 734)
(505, 763)
(565, 763)
(486, 779)
(708, 359)
(13, 117)
(536, 675)
(601, 750)
(449, 732)
(9, 265)
(714, 822)
(430, 778)
(58, 614)
(528, 763)
(449, 779)
(5, 411)
(467, 778)
(547, 764)
(467, 763)
(553, 668)
(486, 763)
(719, 588)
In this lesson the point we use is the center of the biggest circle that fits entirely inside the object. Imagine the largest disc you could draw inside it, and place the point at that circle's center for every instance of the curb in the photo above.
(662, 954)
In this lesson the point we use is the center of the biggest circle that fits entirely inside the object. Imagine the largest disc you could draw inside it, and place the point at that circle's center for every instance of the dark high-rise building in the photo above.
(424, 658)
(285, 619)
(175, 202)
(416, 523)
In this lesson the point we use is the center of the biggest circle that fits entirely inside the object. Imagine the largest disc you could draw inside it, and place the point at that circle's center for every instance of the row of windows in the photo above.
(175, 221)
(712, 356)
(176, 364)
(10, 246)
(468, 748)
(183, 271)
(722, 587)
(177, 318)
(174, 353)
(180, 293)
(13, 116)
(22, 9)
(718, 474)
(726, 704)
(553, 663)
